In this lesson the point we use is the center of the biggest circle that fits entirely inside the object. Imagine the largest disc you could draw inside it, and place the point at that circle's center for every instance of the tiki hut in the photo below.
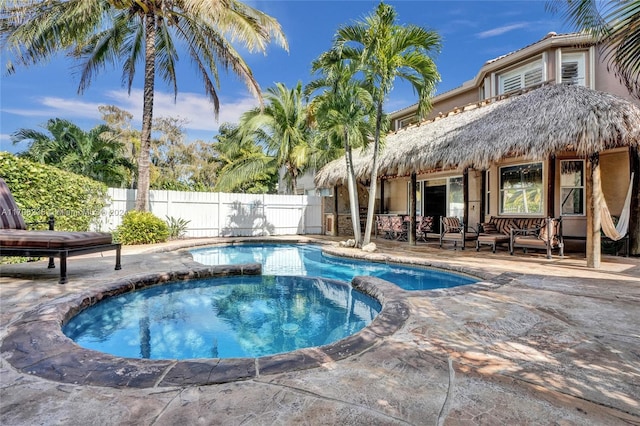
(538, 124)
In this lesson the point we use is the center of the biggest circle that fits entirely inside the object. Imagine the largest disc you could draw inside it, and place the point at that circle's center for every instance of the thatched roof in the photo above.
(536, 124)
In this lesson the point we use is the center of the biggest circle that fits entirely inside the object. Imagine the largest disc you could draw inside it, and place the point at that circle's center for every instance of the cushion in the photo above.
(544, 232)
(451, 223)
(504, 224)
(489, 228)
(52, 239)
(495, 237)
(426, 224)
(10, 217)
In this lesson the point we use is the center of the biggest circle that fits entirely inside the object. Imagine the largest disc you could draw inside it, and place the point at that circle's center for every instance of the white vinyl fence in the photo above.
(215, 214)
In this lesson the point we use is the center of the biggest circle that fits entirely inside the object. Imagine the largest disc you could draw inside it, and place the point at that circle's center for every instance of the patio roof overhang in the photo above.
(536, 124)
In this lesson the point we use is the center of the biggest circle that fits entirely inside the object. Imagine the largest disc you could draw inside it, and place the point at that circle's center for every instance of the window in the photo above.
(455, 197)
(519, 78)
(572, 187)
(572, 69)
(521, 189)
(406, 122)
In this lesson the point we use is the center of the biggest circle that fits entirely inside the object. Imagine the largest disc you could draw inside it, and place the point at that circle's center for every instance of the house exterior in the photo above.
(513, 185)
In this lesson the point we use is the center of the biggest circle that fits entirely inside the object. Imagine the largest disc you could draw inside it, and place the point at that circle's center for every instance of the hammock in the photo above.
(616, 232)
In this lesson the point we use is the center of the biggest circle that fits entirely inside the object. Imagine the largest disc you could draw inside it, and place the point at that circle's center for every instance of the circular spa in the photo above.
(229, 317)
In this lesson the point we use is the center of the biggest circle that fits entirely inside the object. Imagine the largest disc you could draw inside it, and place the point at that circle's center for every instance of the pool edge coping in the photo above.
(35, 344)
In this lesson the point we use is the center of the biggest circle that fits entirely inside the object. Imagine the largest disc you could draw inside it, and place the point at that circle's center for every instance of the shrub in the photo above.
(41, 190)
(177, 227)
(141, 228)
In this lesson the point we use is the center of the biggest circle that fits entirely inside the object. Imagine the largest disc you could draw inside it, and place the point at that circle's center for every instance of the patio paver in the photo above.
(541, 342)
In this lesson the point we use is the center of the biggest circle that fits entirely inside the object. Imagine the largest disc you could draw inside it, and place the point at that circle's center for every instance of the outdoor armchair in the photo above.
(452, 229)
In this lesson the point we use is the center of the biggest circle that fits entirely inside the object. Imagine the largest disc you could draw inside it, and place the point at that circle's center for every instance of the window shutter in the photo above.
(570, 72)
(533, 77)
(511, 83)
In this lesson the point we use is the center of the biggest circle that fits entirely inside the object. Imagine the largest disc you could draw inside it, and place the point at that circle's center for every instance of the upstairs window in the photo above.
(572, 69)
(526, 76)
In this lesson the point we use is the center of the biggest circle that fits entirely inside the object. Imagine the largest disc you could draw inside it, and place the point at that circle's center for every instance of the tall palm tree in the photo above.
(101, 32)
(385, 51)
(282, 126)
(342, 114)
(244, 166)
(97, 153)
(615, 24)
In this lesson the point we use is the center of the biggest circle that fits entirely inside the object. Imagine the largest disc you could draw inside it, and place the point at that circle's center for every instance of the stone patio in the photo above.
(536, 342)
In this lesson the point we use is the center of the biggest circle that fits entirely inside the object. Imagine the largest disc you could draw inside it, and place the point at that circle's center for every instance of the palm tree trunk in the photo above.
(373, 185)
(353, 192)
(144, 161)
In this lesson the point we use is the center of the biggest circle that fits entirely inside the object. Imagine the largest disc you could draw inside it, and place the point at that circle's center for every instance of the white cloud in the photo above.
(51, 107)
(501, 30)
(194, 107)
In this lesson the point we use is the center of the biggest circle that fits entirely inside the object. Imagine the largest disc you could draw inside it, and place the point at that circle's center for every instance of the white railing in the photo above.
(214, 214)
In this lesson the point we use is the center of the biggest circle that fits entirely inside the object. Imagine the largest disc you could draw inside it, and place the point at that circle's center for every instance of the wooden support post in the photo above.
(551, 186)
(381, 206)
(594, 196)
(634, 219)
(412, 210)
(483, 196)
(335, 211)
(465, 198)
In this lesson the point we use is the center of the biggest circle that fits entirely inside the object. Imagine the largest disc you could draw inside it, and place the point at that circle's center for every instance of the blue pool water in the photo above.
(247, 316)
(308, 260)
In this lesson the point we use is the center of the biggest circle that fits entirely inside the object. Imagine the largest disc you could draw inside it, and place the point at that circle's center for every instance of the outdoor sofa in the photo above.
(497, 231)
(16, 240)
(521, 232)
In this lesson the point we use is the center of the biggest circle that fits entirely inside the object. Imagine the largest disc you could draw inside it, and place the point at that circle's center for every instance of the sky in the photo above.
(472, 33)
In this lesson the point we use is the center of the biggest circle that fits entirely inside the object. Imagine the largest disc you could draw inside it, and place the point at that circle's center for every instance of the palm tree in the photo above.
(342, 115)
(101, 32)
(97, 153)
(282, 126)
(244, 166)
(615, 24)
(384, 51)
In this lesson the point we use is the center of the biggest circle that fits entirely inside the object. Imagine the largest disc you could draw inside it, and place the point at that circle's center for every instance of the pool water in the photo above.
(308, 260)
(246, 316)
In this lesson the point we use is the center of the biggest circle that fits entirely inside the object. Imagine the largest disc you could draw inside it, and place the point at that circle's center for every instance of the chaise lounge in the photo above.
(16, 240)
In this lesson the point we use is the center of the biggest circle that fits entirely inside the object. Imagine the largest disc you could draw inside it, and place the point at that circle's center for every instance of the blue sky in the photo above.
(472, 32)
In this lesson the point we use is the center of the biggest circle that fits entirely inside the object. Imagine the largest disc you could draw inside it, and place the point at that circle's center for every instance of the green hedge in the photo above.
(41, 190)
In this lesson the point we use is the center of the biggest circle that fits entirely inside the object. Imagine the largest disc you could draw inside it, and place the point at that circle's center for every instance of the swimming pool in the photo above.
(229, 317)
(308, 260)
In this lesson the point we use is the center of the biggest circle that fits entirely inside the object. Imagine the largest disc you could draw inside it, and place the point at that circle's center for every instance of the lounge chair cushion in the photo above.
(10, 217)
(52, 239)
